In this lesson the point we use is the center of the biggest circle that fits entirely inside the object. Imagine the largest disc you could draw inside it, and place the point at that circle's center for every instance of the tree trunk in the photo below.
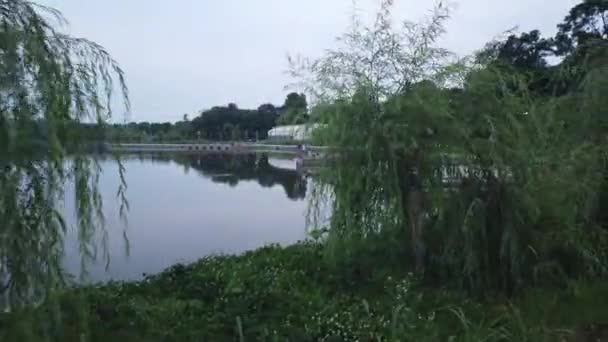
(413, 202)
(415, 215)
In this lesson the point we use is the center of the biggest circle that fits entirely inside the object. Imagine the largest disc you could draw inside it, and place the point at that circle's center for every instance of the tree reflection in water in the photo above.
(232, 168)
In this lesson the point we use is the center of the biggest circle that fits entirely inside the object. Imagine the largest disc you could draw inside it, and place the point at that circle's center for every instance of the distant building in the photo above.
(292, 132)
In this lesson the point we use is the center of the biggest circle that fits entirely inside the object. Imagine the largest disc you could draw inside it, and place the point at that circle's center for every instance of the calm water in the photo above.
(183, 207)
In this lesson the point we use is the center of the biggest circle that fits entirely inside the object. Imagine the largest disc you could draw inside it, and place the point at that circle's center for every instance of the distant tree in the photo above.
(267, 116)
(183, 129)
(526, 54)
(227, 131)
(586, 22)
(236, 133)
(144, 127)
(526, 51)
(295, 109)
(210, 124)
(267, 108)
(250, 123)
(295, 101)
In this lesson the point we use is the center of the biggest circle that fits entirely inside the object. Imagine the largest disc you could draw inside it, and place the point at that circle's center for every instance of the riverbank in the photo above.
(293, 294)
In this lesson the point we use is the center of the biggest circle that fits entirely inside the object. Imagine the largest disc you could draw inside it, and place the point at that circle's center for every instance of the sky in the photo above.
(182, 56)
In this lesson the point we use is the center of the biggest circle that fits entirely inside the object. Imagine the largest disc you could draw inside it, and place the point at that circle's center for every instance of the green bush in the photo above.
(297, 294)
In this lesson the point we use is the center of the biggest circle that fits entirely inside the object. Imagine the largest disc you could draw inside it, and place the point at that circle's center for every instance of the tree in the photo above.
(267, 119)
(526, 54)
(294, 110)
(227, 131)
(295, 101)
(586, 22)
(577, 41)
(253, 122)
(51, 78)
(581, 41)
(267, 108)
(373, 183)
(527, 51)
(236, 133)
(462, 164)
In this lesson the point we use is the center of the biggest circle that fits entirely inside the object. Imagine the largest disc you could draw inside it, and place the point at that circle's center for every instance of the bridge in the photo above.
(218, 147)
(202, 147)
(306, 156)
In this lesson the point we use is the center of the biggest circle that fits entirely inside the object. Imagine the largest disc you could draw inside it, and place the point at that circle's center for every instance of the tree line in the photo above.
(217, 123)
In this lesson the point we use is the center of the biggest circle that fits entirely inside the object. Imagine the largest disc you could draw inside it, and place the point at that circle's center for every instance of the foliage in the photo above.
(230, 122)
(218, 123)
(149, 132)
(490, 174)
(48, 83)
(295, 110)
(293, 294)
(587, 22)
(377, 56)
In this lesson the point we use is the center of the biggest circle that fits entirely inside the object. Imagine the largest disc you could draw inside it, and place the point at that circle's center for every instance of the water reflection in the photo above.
(232, 168)
(186, 206)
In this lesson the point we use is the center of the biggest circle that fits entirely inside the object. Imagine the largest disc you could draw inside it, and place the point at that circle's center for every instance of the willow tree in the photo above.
(456, 161)
(49, 82)
(361, 87)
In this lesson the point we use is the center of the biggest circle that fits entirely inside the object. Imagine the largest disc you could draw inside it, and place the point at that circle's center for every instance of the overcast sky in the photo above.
(182, 56)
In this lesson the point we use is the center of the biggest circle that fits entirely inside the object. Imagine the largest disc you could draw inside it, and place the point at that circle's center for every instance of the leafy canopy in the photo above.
(486, 169)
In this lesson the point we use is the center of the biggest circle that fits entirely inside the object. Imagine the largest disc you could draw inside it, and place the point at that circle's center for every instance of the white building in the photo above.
(292, 132)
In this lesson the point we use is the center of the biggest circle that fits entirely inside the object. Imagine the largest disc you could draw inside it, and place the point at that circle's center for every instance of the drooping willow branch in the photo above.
(49, 84)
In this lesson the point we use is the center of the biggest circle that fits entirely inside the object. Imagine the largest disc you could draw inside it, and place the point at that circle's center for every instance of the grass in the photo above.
(294, 294)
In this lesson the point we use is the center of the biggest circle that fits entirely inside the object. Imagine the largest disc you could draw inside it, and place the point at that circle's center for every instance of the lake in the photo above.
(186, 206)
